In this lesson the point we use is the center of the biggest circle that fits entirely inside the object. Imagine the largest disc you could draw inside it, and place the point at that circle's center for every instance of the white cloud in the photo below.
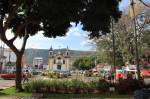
(77, 34)
(86, 42)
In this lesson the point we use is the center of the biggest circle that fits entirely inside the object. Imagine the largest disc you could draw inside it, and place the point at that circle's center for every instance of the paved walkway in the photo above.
(6, 83)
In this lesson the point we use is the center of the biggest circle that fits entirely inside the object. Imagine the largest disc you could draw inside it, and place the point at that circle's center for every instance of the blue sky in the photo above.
(75, 39)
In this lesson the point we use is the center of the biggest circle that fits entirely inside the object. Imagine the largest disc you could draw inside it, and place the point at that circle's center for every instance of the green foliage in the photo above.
(45, 86)
(93, 85)
(11, 92)
(105, 53)
(79, 84)
(103, 85)
(84, 63)
(124, 40)
(35, 85)
(56, 15)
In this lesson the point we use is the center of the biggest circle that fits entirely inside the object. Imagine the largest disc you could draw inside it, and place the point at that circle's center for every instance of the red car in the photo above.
(8, 76)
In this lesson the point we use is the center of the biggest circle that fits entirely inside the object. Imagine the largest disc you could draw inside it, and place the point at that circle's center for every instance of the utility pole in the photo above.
(136, 40)
(114, 51)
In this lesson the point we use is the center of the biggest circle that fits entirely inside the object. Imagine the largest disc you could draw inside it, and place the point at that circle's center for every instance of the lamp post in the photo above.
(136, 44)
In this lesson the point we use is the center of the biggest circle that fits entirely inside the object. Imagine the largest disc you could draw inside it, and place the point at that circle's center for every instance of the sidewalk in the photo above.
(6, 83)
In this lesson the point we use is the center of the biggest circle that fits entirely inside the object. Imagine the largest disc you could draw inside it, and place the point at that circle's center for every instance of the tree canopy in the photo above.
(54, 16)
(84, 63)
(124, 40)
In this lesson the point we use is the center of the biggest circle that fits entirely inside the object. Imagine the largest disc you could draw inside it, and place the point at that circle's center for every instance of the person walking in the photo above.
(26, 76)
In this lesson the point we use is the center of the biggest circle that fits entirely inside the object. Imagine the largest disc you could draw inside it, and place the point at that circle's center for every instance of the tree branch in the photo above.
(9, 44)
(21, 27)
(24, 42)
(17, 33)
(144, 3)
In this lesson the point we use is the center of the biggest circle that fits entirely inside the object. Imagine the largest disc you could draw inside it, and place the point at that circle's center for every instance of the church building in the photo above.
(59, 60)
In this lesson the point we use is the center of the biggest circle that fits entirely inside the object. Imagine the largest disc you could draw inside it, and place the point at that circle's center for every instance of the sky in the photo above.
(75, 39)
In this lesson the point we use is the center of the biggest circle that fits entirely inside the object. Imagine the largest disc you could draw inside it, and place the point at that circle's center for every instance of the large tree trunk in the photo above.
(19, 72)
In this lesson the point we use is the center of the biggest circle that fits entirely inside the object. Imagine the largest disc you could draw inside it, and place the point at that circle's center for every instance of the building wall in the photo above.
(37, 61)
(6, 55)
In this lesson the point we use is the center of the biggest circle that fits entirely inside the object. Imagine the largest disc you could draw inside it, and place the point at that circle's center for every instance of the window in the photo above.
(50, 53)
(59, 58)
(63, 61)
(67, 53)
(54, 61)
(59, 67)
(36, 66)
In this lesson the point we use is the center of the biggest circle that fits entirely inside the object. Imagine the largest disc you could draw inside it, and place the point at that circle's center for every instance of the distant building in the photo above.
(59, 60)
(7, 58)
(38, 62)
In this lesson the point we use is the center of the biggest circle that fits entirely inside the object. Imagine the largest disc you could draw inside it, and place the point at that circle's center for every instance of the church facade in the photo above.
(59, 61)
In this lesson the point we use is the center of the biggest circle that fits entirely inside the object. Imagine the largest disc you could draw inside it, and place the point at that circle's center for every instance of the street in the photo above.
(6, 83)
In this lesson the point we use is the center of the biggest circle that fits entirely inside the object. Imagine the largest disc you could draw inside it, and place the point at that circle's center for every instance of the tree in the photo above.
(26, 17)
(124, 39)
(84, 63)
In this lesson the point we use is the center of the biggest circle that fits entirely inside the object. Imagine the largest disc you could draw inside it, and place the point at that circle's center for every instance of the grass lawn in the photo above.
(10, 92)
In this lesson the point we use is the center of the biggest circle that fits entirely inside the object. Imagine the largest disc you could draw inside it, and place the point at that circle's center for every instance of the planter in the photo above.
(52, 90)
(60, 90)
(81, 91)
(71, 90)
(94, 91)
(43, 90)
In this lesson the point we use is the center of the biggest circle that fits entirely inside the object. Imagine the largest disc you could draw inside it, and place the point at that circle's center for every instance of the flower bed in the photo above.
(8, 76)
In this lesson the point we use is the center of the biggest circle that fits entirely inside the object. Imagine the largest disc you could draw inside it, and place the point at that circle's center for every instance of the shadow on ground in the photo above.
(3, 94)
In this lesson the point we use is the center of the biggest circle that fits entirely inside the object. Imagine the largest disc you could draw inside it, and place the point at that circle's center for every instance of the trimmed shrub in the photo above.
(103, 85)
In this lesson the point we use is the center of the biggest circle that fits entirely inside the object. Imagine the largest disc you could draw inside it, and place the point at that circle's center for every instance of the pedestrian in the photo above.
(26, 76)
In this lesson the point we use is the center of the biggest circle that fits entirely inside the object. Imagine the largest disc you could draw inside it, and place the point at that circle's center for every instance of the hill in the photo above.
(30, 54)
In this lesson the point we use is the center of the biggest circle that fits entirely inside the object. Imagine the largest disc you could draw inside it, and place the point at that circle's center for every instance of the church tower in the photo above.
(50, 59)
(67, 58)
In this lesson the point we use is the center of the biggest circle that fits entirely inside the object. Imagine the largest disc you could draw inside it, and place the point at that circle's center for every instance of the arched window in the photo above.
(67, 53)
(58, 67)
(50, 53)
(63, 61)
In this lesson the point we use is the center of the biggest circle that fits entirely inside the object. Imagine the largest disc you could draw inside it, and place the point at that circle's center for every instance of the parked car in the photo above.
(66, 73)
